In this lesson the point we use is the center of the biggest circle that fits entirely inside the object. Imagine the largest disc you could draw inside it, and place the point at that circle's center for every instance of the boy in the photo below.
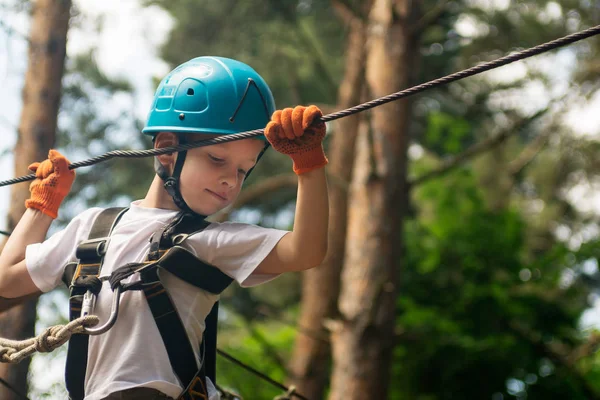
(204, 97)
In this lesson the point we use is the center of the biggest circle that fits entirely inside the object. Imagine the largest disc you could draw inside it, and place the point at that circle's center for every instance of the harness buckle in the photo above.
(178, 239)
(98, 245)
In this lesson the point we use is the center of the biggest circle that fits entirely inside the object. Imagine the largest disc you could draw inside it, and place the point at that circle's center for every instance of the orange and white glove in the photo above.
(291, 132)
(52, 184)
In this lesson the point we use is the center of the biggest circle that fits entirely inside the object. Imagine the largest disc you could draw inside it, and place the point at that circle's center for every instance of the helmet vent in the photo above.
(190, 92)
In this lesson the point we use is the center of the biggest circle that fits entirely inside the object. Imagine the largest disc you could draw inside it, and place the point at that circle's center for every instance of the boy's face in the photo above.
(212, 176)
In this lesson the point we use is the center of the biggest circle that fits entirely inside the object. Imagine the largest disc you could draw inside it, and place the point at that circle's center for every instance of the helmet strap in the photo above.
(171, 183)
(262, 152)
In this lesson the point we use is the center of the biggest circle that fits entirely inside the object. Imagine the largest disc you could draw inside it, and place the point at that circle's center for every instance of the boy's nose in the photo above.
(230, 179)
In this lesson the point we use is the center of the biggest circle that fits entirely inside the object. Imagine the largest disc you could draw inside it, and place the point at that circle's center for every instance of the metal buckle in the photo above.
(101, 244)
(178, 239)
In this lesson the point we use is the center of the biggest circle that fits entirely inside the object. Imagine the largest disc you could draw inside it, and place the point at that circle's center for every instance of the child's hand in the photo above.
(291, 132)
(53, 183)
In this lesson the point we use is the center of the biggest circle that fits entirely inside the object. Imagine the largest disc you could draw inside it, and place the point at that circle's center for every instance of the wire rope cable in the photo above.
(487, 66)
(258, 373)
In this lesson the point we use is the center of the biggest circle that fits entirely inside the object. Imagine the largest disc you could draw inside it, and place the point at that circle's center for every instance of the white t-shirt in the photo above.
(132, 354)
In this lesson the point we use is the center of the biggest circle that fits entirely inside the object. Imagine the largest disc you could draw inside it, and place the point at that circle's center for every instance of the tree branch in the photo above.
(309, 44)
(451, 163)
(430, 17)
(533, 149)
(287, 181)
(558, 353)
(346, 11)
(475, 150)
(528, 154)
(585, 350)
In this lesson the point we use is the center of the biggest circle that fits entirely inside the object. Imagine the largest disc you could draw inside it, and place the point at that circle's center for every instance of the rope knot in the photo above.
(45, 341)
(6, 353)
(13, 351)
(52, 338)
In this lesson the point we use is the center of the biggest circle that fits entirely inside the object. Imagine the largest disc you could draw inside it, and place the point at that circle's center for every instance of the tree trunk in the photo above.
(363, 339)
(37, 132)
(320, 286)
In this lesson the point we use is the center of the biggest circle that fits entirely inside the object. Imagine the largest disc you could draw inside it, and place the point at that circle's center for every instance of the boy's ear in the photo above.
(162, 140)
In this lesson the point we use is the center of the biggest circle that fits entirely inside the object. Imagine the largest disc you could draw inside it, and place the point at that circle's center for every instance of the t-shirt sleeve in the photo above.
(46, 261)
(237, 249)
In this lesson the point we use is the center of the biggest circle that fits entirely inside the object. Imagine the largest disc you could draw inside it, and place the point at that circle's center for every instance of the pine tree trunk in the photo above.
(363, 338)
(37, 133)
(320, 287)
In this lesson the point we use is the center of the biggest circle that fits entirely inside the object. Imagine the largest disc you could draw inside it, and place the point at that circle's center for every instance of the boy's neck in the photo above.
(157, 196)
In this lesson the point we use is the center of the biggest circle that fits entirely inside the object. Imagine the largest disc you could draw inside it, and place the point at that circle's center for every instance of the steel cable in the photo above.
(259, 374)
(487, 66)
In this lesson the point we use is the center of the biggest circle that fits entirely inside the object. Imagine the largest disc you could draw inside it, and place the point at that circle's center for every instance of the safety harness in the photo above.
(165, 254)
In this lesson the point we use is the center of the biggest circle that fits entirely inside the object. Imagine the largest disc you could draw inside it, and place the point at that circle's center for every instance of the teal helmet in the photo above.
(212, 95)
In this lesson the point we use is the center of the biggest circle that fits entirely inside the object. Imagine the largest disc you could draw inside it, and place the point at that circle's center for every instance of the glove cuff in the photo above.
(45, 201)
(309, 159)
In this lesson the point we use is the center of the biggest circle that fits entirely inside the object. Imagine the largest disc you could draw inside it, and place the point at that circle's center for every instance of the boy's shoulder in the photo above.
(86, 217)
(241, 231)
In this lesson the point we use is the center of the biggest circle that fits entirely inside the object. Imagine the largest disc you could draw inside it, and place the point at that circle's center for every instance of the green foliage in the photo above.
(254, 352)
(474, 318)
(446, 131)
(92, 129)
(490, 299)
(301, 38)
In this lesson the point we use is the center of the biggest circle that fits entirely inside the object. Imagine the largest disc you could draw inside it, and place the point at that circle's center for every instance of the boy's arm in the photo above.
(291, 132)
(53, 182)
(15, 280)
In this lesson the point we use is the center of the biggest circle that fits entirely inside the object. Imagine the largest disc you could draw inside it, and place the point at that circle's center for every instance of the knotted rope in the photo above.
(14, 351)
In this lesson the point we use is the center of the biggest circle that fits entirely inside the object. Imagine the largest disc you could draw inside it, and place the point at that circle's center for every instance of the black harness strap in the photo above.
(91, 254)
(165, 253)
(186, 266)
(210, 343)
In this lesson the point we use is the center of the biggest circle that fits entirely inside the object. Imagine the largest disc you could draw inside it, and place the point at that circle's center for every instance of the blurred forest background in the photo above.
(464, 229)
